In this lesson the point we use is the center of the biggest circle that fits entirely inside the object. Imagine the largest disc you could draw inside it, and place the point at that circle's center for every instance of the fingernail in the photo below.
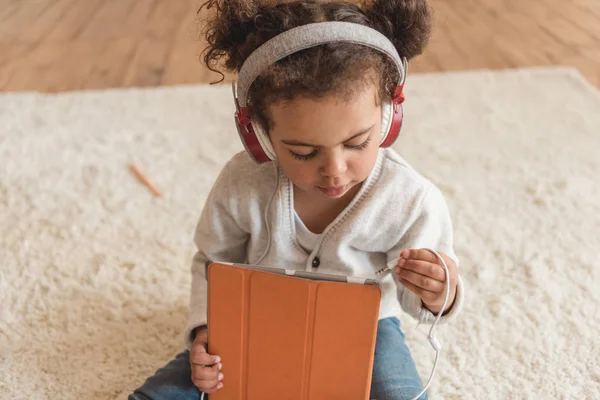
(218, 359)
(401, 262)
(221, 377)
(397, 270)
(219, 386)
(219, 366)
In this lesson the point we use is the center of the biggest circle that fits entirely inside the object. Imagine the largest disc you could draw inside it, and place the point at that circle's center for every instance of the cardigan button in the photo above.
(316, 262)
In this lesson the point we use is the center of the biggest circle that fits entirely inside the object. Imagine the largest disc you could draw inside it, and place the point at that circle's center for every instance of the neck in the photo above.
(318, 211)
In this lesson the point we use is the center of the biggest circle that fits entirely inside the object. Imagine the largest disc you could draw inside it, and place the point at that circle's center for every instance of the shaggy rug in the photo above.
(94, 268)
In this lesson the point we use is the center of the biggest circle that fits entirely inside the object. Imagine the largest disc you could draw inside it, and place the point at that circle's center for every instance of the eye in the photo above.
(361, 146)
(304, 157)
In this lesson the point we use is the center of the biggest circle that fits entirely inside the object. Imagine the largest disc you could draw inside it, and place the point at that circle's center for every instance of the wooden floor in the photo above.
(59, 45)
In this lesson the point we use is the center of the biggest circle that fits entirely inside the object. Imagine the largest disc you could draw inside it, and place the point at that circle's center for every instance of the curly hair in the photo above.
(238, 27)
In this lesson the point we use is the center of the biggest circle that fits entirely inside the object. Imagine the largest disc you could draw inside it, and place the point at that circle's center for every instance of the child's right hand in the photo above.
(206, 368)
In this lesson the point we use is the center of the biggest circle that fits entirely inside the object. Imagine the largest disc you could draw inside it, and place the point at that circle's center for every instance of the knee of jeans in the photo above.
(169, 391)
(403, 392)
(392, 323)
(138, 396)
(396, 396)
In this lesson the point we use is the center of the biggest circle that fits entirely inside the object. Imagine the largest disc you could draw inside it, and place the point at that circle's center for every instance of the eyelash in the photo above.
(304, 157)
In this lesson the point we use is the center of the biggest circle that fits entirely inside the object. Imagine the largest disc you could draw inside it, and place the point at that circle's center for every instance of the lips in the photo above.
(333, 191)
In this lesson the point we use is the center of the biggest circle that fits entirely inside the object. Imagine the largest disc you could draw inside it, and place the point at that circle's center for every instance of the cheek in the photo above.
(295, 170)
(363, 165)
(298, 172)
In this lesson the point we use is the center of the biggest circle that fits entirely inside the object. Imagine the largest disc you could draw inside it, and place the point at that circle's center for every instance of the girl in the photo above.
(333, 200)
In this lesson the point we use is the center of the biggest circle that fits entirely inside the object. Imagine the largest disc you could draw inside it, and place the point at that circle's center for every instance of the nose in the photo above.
(334, 164)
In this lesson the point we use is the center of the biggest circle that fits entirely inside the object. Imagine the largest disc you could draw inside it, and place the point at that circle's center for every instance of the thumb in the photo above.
(199, 355)
(201, 335)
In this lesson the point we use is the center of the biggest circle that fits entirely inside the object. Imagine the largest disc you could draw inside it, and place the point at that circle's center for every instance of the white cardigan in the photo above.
(249, 218)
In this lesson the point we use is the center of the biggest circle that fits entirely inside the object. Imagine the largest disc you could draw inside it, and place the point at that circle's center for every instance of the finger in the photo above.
(425, 295)
(206, 386)
(208, 378)
(207, 373)
(212, 389)
(425, 268)
(199, 356)
(420, 254)
(421, 281)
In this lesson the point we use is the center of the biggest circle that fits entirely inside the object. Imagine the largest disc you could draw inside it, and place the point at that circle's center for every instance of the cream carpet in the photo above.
(94, 269)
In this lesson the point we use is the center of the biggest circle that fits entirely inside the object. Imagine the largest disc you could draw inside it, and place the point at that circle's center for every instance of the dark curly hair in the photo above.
(238, 27)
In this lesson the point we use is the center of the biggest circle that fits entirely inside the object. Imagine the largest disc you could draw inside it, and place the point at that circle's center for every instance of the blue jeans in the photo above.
(395, 376)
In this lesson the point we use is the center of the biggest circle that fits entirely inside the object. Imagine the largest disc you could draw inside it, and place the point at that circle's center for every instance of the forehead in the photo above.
(324, 120)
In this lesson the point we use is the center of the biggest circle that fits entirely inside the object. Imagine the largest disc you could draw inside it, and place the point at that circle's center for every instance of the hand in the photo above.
(422, 273)
(206, 368)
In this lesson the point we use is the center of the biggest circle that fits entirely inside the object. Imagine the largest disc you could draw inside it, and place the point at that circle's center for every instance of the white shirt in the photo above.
(307, 239)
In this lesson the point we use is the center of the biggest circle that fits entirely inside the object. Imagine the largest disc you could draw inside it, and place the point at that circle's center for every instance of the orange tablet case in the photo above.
(284, 337)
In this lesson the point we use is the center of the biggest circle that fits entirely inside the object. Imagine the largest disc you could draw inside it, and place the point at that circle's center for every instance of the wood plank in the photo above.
(7, 10)
(11, 53)
(47, 21)
(183, 64)
(454, 47)
(79, 44)
(591, 7)
(75, 66)
(564, 31)
(111, 64)
(19, 19)
(139, 17)
(108, 21)
(166, 18)
(64, 66)
(38, 69)
(75, 20)
(148, 63)
(5, 78)
(585, 21)
(426, 62)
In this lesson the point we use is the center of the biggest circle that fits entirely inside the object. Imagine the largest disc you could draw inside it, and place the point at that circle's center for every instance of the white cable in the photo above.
(268, 247)
(432, 339)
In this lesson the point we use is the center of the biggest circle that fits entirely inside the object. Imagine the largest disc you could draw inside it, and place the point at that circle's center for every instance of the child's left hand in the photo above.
(422, 273)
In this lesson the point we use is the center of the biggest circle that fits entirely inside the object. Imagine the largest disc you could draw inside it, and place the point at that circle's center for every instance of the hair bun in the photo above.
(407, 23)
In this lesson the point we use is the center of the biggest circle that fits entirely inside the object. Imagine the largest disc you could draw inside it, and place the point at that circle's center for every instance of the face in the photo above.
(327, 147)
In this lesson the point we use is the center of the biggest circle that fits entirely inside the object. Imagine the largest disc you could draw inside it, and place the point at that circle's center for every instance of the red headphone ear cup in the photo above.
(395, 126)
(250, 141)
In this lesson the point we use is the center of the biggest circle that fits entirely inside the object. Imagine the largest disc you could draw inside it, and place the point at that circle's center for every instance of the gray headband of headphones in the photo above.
(311, 35)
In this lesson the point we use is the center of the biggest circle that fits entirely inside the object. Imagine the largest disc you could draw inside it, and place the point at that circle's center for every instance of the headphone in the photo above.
(253, 136)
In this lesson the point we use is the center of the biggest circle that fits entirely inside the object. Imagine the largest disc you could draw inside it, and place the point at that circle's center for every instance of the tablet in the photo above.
(285, 334)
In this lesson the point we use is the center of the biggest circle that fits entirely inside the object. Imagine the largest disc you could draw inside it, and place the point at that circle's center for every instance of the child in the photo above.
(332, 199)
